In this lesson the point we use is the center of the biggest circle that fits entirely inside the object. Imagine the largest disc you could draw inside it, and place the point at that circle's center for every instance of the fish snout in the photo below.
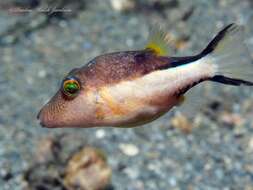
(44, 119)
(41, 118)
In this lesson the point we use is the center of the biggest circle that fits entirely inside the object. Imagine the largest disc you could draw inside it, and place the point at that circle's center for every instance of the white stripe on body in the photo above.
(161, 81)
(141, 96)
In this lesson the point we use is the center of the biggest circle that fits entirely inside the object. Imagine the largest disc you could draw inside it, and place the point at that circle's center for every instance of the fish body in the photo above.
(131, 88)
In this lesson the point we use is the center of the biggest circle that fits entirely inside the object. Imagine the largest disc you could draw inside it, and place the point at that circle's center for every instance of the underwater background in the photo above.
(41, 41)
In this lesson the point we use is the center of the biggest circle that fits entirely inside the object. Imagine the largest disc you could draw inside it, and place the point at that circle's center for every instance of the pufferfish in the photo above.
(131, 88)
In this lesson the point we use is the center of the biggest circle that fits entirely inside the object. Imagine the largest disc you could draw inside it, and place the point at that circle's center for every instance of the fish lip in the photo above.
(39, 117)
(42, 124)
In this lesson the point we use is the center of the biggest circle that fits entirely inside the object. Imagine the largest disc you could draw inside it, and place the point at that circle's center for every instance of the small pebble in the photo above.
(219, 173)
(250, 144)
(100, 133)
(132, 173)
(181, 122)
(87, 169)
(130, 42)
(42, 74)
(173, 181)
(123, 5)
(129, 149)
(232, 119)
(45, 150)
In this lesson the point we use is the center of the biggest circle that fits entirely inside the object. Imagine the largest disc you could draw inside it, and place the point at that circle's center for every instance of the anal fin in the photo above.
(191, 102)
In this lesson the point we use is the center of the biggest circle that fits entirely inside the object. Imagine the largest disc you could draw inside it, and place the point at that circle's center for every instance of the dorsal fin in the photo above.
(158, 41)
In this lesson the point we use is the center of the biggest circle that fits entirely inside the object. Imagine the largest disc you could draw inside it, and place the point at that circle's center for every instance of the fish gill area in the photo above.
(40, 41)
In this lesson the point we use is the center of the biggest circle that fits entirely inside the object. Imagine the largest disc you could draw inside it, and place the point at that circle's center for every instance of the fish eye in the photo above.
(71, 87)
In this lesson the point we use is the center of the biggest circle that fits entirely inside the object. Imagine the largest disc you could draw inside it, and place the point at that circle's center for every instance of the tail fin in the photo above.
(231, 57)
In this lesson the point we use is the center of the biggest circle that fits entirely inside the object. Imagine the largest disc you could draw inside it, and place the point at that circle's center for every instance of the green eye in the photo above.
(71, 87)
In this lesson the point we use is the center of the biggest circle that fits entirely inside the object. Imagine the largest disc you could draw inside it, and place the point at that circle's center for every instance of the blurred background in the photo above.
(40, 41)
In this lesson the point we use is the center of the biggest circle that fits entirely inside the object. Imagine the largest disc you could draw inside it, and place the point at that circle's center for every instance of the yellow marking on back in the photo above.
(158, 42)
(156, 49)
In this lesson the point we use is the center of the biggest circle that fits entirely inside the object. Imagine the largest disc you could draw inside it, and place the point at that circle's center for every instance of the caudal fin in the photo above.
(231, 57)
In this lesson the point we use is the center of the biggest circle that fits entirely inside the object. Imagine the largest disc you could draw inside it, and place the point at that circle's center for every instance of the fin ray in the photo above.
(192, 101)
(159, 41)
(229, 54)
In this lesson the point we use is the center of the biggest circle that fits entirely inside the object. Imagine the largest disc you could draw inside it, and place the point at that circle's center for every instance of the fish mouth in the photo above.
(40, 119)
(43, 119)
(46, 120)
(42, 124)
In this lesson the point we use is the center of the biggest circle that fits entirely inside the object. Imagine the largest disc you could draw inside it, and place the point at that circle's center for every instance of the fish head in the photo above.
(71, 106)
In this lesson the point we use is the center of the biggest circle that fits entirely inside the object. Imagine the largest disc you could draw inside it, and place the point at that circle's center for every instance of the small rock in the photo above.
(232, 119)
(43, 176)
(250, 144)
(173, 181)
(248, 187)
(181, 122)
(248, 168)
(100, 133)
(132, 173)
(46, 150)
(87, 170)
(129, 149)
(181, 43)
(5, 174)
(219, 174)
(42, 74)
(123, 5)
